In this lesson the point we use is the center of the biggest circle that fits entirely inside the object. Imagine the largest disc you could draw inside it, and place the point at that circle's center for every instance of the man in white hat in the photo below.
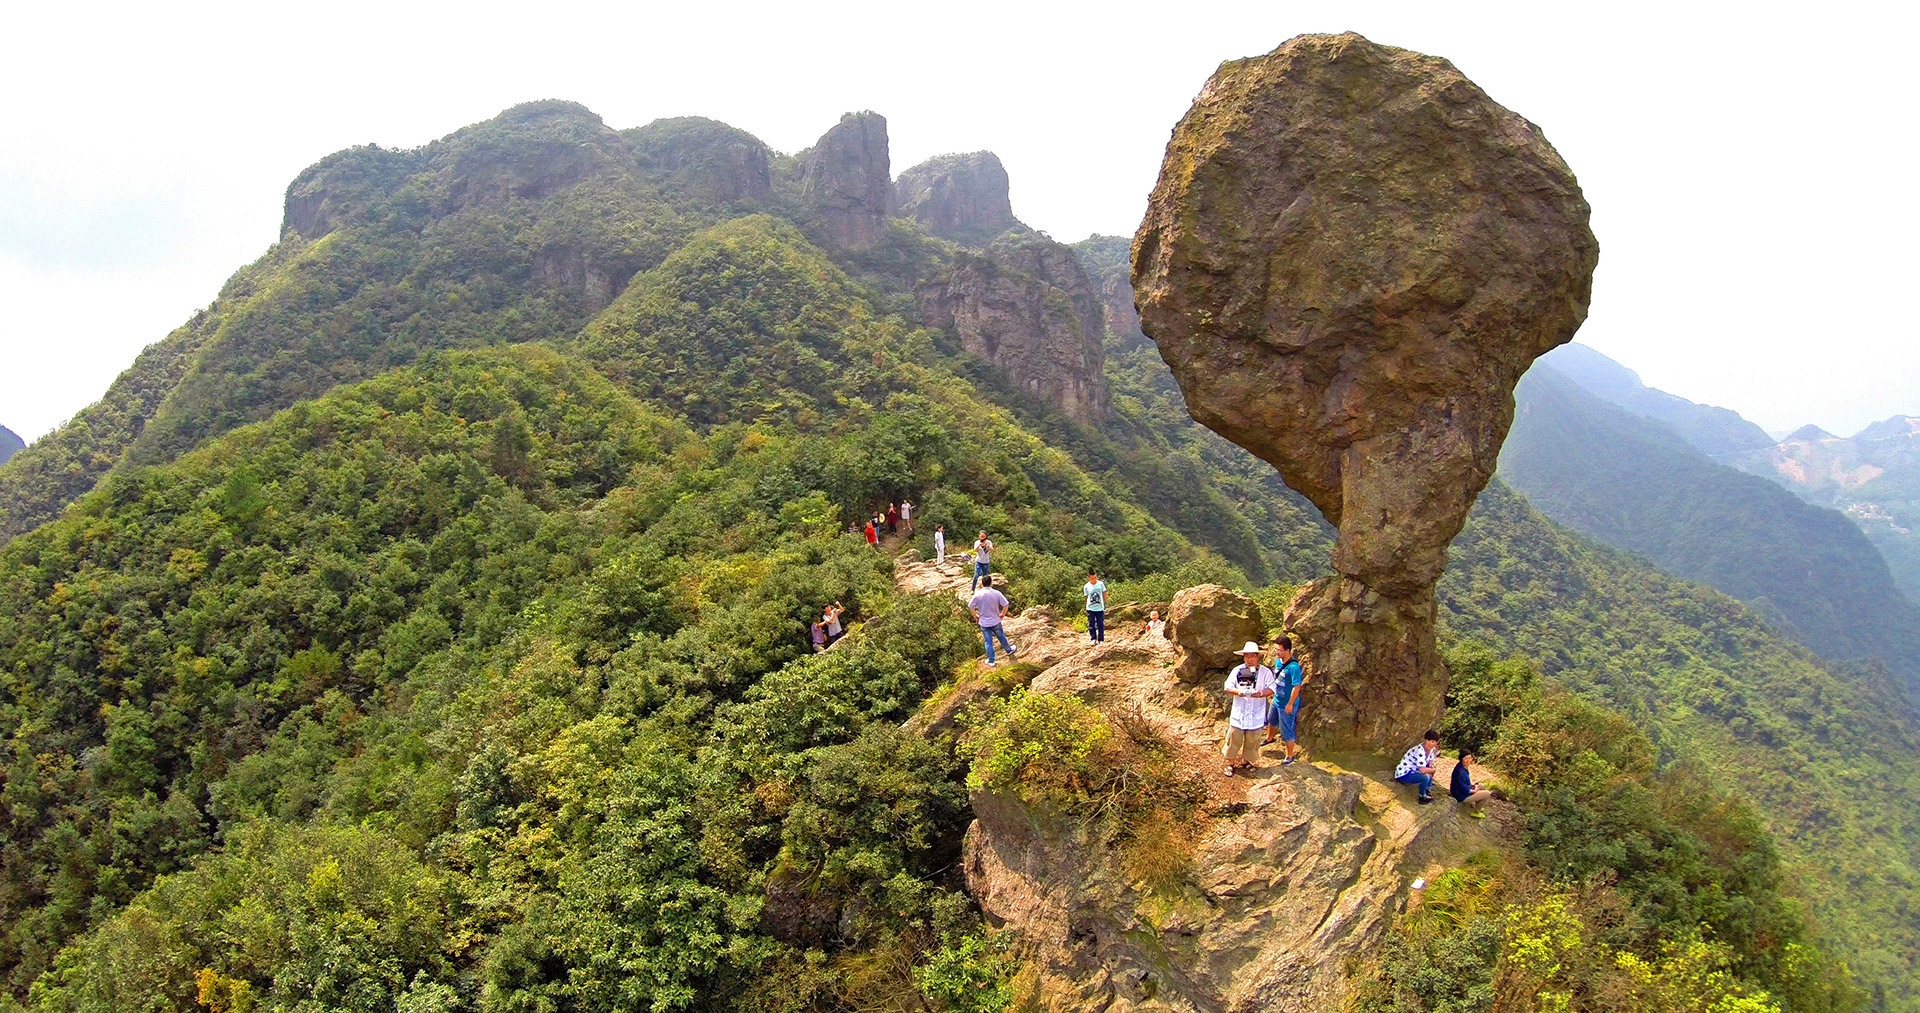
(1250, 684)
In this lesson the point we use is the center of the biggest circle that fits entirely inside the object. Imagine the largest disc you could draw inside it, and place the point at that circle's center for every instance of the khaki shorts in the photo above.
(1243, 745)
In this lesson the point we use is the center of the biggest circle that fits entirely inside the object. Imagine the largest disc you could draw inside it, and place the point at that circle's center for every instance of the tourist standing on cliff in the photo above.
(982, 559)
(1285, 716)
(1251, 686)
(1095, 591)
(906, 515)
(939, 545)
(988, 607)
(1416, 768)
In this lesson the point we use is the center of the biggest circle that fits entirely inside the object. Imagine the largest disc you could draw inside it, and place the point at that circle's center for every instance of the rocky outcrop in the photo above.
(1351, 256)
(1281, 887)
(704, 159)
(848, 181)
(1207, 624)
(957, 197)
(572, 271)
(1027, 307)
(10, 444)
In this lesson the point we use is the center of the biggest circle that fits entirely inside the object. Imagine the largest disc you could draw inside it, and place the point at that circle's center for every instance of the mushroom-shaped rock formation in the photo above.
(1350, 258)
(848, 179)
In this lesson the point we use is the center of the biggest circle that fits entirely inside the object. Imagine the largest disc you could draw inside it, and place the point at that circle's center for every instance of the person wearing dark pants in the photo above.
(1095, 590)
(1416, 768)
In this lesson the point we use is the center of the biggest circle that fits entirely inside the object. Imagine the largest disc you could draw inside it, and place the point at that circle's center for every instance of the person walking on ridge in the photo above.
(1251, 686)
(1285, 713)
(939, 545)
(988, 607)
(1416, 768)
(1095, 591)
(982, 558)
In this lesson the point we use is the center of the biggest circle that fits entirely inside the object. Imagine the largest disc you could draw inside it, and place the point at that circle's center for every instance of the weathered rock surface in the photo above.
(1027, 307)
(1207, 624)
(1350, 258)
(1293, 877)
(957, 197)
(704, 158)
(848, 180)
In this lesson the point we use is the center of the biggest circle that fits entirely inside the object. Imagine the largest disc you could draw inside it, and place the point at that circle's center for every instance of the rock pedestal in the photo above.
(957, 197)
(1207, 624)
(848, 180)
(1350, 258)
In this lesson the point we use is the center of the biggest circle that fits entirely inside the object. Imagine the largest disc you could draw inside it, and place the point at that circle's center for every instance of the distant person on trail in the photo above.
(893, 518)
(906, 515)
(873, 537)
(1416, 768)
(1466, 791)
(819, 637)
(988, 607)
(832, 618)
(1251, 686)
(1095, 591)
(940, 545)
(1285, 713)
(982, 558)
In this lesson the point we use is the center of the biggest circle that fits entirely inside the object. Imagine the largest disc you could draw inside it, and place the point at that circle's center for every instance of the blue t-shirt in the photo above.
(1284, 682)
(1096, 593)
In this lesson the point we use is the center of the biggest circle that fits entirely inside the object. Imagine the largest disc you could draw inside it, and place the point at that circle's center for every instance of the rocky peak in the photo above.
(1809, 434)
(1027, 306)
(704, 158)
(957, 197)
(10, 444)
(1350, 258)
(848, 181)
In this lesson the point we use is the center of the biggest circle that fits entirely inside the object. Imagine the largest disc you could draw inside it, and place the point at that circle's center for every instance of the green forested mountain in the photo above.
(10, 444)
(1719, 433)
(1631, 483)
(1872, 476)
(383, 671)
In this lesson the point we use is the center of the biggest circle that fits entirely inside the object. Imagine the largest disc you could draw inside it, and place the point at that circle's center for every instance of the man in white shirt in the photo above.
(1416, 768)
(988, 606)
(982, 558)
(940, 545)
(1250, 684)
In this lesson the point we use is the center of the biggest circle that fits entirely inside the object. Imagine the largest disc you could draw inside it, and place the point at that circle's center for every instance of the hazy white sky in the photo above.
(1750, 173)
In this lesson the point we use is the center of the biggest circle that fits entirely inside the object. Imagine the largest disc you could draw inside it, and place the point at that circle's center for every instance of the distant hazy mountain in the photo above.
(1637, 485)
(1718, 433)
(10, 444)
(1872, 476)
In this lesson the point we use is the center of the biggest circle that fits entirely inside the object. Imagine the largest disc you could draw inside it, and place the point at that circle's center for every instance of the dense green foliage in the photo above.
(1633, 484)
(478, 679)
(1826, 757)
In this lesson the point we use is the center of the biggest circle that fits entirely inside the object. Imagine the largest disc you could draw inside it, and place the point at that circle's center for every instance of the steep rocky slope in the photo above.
(10, 444)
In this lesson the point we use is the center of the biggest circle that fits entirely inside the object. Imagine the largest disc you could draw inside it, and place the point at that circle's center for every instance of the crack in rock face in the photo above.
(1351, 256)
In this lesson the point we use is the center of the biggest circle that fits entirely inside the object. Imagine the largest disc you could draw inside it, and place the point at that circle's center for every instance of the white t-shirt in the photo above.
(991, 605)
(1249, 712)
(983, 551)
(906, 510)
(940, 542)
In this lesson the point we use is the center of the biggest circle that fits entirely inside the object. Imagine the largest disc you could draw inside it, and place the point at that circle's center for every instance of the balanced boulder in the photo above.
(1351, 256)
(1207, 625)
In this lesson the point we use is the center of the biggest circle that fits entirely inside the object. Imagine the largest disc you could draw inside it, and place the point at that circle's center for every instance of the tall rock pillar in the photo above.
(848, 180)
(1351, 256)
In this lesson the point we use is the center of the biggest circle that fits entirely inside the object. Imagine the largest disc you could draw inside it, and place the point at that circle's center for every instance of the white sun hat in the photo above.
(1251, 648)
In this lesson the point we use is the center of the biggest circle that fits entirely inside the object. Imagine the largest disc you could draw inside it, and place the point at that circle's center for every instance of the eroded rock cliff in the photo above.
(848, 181)
(958, 197)
(1027, 307)
(705, 159)
(1351, 256)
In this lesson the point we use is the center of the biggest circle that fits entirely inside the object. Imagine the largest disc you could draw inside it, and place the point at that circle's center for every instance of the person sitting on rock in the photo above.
(1416, 768)
(1251, 686)
(1154, 623)
(1285, 714)
(1466, 791)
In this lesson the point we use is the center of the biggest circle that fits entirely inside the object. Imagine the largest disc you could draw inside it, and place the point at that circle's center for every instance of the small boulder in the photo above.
(1207, 624)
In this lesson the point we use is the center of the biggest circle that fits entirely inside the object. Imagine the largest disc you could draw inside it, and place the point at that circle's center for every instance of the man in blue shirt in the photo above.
(1096, 591)
(1284, 715)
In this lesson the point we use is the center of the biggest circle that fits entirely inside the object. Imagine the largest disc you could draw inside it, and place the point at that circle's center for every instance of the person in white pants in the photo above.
(940, 545)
